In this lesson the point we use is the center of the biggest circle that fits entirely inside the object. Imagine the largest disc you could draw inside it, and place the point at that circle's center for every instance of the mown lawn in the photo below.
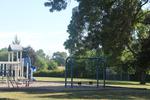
(128, 84)
(97, 94)
(67, 94)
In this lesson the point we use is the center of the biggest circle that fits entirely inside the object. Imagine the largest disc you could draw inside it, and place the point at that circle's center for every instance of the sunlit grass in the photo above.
(51, 79)
(75, 94)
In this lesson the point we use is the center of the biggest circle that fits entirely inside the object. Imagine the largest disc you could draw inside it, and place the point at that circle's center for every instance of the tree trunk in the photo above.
(143, 77)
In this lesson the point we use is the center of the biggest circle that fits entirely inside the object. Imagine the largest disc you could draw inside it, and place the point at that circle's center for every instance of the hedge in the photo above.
(52, 73)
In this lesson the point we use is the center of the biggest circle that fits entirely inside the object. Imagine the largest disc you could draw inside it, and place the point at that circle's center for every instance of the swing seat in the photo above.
(79, 83)
(90, 83)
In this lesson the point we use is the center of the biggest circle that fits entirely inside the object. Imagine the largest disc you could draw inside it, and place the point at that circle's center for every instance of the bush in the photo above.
(52, 65)
(51, 73)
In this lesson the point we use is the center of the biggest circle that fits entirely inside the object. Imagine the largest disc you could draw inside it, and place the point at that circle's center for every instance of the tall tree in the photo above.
(30, 52)
(144, 53)
(41, 53)
(4, 54)
(60, 58)
(56, 5)
(16, 40)
(109, 24)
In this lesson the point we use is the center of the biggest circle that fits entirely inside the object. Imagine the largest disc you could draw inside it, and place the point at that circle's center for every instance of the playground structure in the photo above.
(99, 71)
(17, 69)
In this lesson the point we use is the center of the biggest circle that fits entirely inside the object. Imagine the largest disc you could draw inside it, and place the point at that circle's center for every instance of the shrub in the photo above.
(51, 73)
(52, 65)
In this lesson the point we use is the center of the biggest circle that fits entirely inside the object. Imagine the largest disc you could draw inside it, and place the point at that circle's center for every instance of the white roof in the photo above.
(15, 47)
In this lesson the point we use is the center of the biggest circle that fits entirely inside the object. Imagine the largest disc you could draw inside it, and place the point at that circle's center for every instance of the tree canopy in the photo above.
(118, 28)
(60, 58)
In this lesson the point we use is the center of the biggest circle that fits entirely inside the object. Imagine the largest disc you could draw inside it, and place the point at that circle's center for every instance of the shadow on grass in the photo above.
(105, 94)
(60, 92)
(7, 99)
(113, 82)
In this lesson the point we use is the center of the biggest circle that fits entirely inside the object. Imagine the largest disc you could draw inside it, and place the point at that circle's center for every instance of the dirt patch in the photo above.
(45, 86)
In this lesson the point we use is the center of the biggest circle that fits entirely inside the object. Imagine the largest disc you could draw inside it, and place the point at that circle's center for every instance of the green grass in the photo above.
(75, 94)
(51, 79)
(128, 84)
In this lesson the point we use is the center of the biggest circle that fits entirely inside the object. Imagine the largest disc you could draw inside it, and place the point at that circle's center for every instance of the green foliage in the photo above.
(51, 73)
(118, 26)
(44, 62)
(38, 59)
(144, 55)
(30, 52)
(85, 68)
(41, 64)
(4, 54)
(40, 53)
(56, 5)
(41, 60)
(52, 65)
(60, 58)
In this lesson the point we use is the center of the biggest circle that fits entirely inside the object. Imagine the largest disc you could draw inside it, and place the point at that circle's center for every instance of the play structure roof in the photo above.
(15, 47)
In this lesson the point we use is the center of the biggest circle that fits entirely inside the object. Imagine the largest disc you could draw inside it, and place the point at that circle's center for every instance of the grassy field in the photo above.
(128, 84)
(104, 94)
(142, 92)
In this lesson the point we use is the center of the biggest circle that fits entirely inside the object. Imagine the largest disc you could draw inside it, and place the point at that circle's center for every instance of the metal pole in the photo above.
(66, 72)
(72, 62)
(21, 65)
(17, 57)
(12, 57)
(27, 74)
(3, 71)
(97, 73)
(104, 75)
(8, 56)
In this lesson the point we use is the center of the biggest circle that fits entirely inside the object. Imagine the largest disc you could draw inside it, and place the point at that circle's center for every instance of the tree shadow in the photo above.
(60, 92)
(7, 99)
(104, 94)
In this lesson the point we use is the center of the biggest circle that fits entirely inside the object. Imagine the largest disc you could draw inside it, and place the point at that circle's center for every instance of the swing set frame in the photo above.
(70, 62)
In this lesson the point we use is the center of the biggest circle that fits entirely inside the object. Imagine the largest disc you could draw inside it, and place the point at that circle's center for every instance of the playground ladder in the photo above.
(12, 81)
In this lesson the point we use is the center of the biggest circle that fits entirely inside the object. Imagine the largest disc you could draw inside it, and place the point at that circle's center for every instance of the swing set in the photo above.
(85, 71)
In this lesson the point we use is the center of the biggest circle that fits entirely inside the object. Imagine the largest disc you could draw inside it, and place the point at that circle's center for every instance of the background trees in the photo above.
(39, 58)
(4, 54)
(114, 28)
(59, 57)
(42, 61)
(16, 41)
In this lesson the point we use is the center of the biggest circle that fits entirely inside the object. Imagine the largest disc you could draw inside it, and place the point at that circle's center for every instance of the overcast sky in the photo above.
(34, 24)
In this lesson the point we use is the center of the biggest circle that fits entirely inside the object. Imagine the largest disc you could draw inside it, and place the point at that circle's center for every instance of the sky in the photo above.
(34, 25)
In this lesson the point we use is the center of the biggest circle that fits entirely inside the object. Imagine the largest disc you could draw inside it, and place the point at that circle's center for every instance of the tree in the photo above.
(109, 24)
(44, 62)
(41, 60)
(16, 41)
(30, 52)
(144, 53)
(56, 5)
(41, 64)
(60, 58)
(4, 54)
(52, 65)
(143, 59)
(41, 53)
